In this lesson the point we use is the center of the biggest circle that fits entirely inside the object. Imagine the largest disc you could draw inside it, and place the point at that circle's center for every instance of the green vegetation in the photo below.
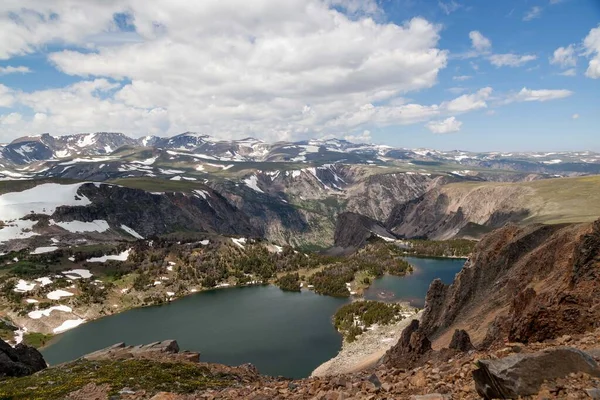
(7, 330)
(151, 376)
(36, 339)
(441, 248)
(289, 282)
(353, 319)
(376, 259)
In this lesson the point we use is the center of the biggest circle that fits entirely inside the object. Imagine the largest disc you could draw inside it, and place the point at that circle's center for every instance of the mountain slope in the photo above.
(444, 212)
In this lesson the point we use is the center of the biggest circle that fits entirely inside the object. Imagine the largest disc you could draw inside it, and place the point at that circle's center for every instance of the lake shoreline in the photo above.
(366, 350)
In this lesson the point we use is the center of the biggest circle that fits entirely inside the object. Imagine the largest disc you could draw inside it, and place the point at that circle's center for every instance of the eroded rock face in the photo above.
(21, 360)
(410, 349)
(523, 374)
(534, 283)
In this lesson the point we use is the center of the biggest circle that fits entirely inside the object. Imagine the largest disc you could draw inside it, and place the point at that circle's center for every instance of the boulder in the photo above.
(410, 349)
(19, 361)
(461, 341)
(523, 374)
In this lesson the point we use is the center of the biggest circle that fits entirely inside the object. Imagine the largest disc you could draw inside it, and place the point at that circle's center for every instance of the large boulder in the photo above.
(523, 374)
(461, 341)
(21, 360)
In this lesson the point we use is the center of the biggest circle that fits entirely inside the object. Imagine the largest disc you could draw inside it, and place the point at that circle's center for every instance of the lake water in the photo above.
(413, 287)
(281, 333)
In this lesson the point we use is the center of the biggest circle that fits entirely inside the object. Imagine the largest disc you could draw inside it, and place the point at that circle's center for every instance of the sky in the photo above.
(475, 75)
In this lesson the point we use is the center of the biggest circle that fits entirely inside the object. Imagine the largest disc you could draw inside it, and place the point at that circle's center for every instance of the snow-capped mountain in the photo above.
(30, 151)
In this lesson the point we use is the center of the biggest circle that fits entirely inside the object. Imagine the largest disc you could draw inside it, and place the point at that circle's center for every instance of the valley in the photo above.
(106, 239)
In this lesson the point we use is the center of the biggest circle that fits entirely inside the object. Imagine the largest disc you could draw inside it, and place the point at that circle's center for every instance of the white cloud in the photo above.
(479, 42)
(591, 45)
(569, 72)
(14, 70)
(221, 67)
(564, 56)
(510, 60)
(448, 125)
(540, 95)
(575, 116)
(461, 77)
(365, 137)
(534, 12)
(10, 119)
(469, 102)
(6, 96)
(449, 7)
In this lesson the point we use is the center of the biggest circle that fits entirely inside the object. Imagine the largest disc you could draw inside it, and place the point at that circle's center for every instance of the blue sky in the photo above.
(472, 75)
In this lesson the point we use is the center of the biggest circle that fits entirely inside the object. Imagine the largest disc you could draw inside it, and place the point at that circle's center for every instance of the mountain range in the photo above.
(286, 192)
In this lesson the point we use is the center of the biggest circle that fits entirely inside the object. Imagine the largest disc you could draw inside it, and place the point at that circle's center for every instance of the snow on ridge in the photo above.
(239, 242)
(41, 199)
(37, 314)
(97, 225)
(115, 257)
(252, 183)
(131, 232)
(84, 273)
(57, 294)
(42, 250)
(68, 324)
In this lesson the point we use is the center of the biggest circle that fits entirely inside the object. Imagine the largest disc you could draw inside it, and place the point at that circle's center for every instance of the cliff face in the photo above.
(353, 230)
(522, 284)
(155, 214)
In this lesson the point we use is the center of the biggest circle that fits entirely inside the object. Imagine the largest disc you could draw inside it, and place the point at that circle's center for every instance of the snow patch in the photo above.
(118, 257)
(42, 250)
(57, 294)
(131, 232)
(68, 324)
(84, 273)
(37, 314)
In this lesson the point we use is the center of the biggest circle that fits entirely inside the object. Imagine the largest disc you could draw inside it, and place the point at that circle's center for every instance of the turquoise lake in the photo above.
(281, 333)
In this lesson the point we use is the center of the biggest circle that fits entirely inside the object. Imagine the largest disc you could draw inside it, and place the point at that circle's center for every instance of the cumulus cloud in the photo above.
(479, 42)
(14, 70)
(448, 125)
(277, 69)
(569, 72)
(469, 102)
(564, 56)
(540, 95)
(534, 12)
(461, 77)
(449, 7)
(364, 137)
(510, 60)
(591, 44)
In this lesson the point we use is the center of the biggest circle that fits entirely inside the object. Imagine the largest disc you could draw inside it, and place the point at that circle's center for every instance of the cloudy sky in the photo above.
(447, 74)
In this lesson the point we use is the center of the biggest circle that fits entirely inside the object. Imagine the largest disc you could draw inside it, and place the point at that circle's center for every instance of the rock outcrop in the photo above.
(165, 350)
(461, 341)
(21, 360)
(522, 284)
(410, 349)
(353, 230)
(523, 374)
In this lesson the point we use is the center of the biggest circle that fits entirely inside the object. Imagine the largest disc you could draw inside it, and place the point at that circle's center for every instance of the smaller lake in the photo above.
(413, 287)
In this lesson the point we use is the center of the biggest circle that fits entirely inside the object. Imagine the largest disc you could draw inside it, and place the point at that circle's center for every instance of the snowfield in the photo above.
(42, 250)
(97, 225)
(42, 199)
(57, 294)
(37, 314)
(118, 257)
(68, 324)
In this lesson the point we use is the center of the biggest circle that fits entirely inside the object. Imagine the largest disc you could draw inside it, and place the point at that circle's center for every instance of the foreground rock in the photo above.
(167, 350)
(21, 360)
(523, 374)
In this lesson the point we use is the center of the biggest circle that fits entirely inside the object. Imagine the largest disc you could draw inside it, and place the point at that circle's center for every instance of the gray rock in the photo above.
(432, 396)
(21, 360)
(593, 393)
(522, 374)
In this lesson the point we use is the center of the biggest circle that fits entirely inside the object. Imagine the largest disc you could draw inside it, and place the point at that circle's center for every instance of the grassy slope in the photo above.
(551, 201)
